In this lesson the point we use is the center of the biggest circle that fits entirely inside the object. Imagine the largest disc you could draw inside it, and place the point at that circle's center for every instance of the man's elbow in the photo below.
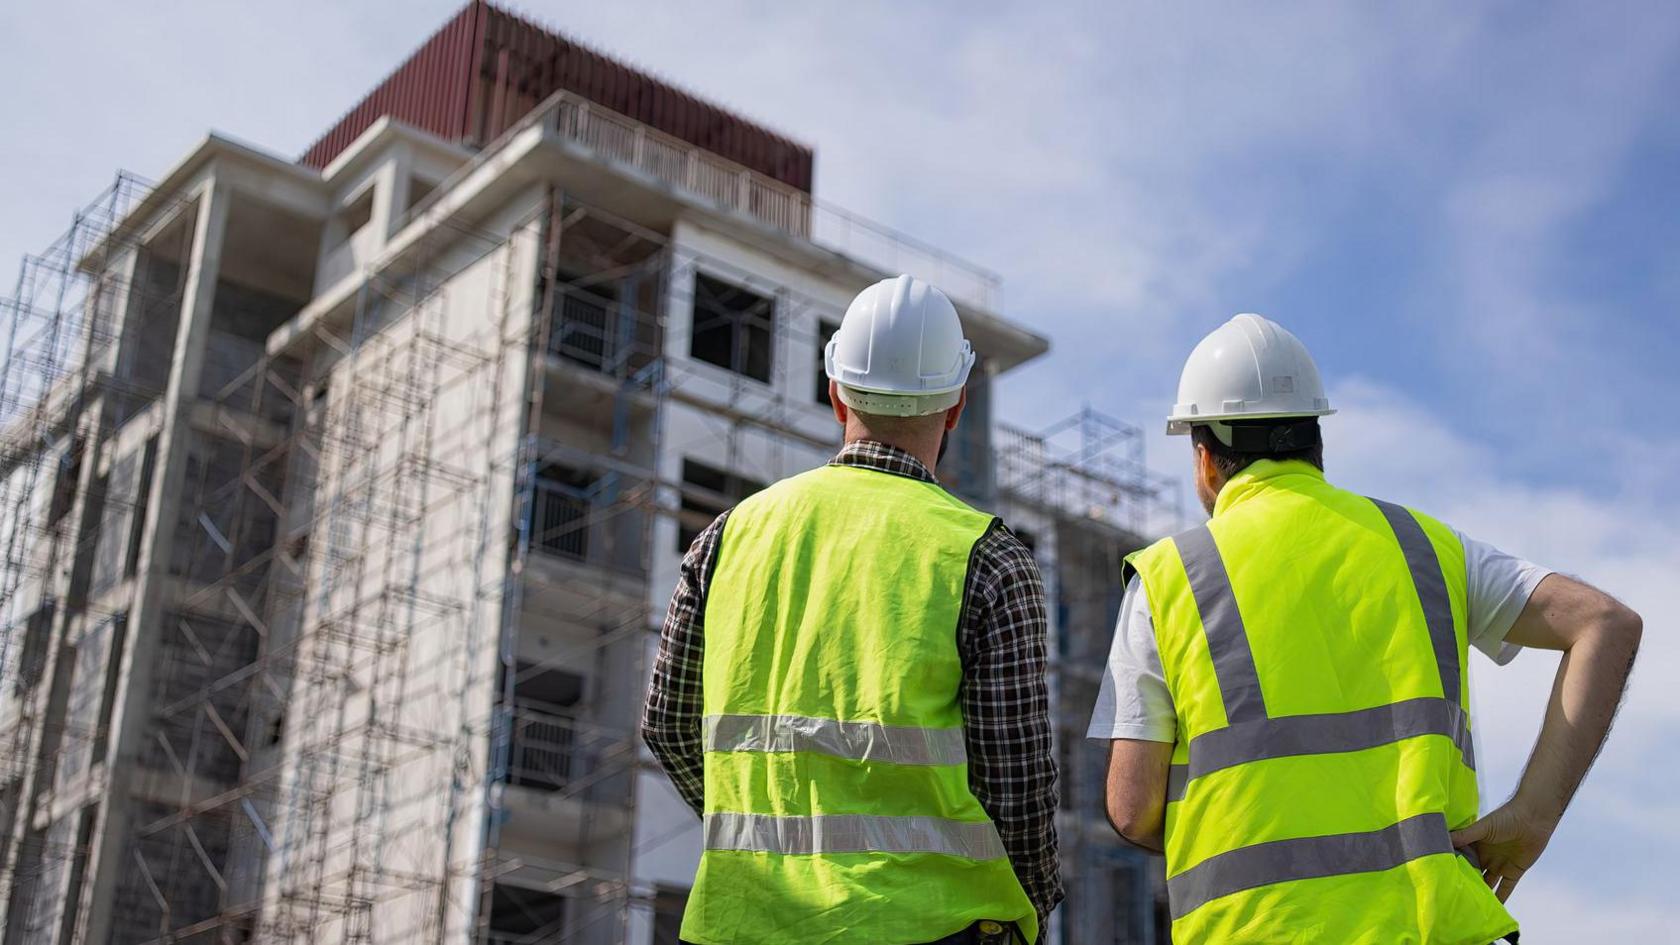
(1135, 823)
(656, 741)
(1631, 626)
(1619, 627)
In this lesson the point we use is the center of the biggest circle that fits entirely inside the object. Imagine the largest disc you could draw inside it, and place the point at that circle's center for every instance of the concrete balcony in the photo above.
(565, 789)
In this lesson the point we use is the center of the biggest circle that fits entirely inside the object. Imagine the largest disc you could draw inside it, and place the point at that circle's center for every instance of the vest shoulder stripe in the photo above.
(852, 833)
(1281, 861)
(856, 741)
(1431, 585)
(1233, 660)
(1324, 734)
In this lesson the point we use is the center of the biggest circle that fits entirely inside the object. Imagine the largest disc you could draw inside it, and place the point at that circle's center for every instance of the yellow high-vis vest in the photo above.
(1314, 644)
(837, 801)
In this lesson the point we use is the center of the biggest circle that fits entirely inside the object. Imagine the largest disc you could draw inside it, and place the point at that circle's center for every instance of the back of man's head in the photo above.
(1254, 440)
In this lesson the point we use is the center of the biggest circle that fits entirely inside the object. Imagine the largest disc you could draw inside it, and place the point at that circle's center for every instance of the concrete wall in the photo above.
(386, 749)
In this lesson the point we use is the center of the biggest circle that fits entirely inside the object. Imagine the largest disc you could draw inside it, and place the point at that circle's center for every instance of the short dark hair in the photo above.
(1230, 461)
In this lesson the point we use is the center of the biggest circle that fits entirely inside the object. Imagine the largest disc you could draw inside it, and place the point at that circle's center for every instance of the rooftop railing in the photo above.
(733, 188)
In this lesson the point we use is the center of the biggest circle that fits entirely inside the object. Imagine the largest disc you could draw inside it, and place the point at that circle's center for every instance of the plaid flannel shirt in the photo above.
(1006, 708)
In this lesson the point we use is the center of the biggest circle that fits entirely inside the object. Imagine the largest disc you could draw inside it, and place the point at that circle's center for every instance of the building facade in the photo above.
(342, 497)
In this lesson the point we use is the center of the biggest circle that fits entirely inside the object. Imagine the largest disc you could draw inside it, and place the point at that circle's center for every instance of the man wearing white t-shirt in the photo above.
(1286, 700)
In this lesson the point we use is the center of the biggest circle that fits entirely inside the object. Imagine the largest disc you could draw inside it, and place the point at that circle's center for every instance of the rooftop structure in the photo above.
(340, 499)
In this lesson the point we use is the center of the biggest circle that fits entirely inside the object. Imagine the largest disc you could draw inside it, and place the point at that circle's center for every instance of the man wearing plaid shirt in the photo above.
(919, 749)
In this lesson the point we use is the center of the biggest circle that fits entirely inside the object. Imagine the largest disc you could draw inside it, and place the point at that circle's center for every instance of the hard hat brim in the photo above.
(1181, 425)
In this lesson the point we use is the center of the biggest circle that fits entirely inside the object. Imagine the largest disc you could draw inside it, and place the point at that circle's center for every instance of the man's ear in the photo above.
(835, 403)
(1206, 472)
(955, 412)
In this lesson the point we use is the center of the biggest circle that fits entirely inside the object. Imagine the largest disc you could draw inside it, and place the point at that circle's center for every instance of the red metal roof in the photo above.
(487, 68)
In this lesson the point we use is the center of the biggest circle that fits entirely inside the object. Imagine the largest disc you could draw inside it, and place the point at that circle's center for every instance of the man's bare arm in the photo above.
(1599, 637)
(1137, 790)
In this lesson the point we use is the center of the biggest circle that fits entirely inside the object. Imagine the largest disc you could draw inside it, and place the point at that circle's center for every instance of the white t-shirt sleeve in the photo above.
(1133, 701)
(1499, 588)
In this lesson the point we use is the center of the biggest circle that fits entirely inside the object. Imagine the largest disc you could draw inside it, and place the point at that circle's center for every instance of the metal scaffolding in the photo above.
(342, 638)
(1083, 498)
(65, 510)
(336, 729)
(1088, 465)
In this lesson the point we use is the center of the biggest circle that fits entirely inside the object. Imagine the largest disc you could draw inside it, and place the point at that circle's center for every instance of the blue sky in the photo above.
(1470, 212)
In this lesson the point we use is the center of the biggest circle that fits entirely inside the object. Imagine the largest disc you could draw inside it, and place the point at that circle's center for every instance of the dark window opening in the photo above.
(545, 687)
(708, 492)
(418, 190)
(78, 869)
(142, 499)
(519, 916)
(560, 511)
(731, 328)
(825, 332)
(113, 674)
(668, 905)
(86, 564)
(64, 486)
(32, 659)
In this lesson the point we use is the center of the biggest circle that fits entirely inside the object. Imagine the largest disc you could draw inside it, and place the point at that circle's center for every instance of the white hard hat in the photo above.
(900, 350)
(1250, 368)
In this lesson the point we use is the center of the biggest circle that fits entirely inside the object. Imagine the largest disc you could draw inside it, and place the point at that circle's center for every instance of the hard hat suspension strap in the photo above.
(1273, 436)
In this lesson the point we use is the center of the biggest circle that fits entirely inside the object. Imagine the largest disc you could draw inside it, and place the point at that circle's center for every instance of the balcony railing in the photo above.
(584, 331)
(560, 520)
(552, 752)
(544, 754)
(731, 187)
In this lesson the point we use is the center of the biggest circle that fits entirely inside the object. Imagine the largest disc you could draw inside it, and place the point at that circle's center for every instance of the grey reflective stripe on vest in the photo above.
(857, 741)
(1233, 661)
(1323, 734)
(1178, 778)
(1431, 584)
(1280, 861)
(852, 833)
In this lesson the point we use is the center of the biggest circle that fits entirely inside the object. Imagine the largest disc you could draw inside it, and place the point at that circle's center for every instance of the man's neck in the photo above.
(927, 454)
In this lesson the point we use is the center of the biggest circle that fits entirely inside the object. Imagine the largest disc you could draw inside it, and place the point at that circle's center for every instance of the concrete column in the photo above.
(108, 851)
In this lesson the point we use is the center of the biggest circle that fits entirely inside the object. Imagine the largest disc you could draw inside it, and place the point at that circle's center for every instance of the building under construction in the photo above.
(340, 498)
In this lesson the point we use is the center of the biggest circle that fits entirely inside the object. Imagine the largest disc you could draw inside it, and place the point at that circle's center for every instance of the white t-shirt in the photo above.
(1134, 702)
